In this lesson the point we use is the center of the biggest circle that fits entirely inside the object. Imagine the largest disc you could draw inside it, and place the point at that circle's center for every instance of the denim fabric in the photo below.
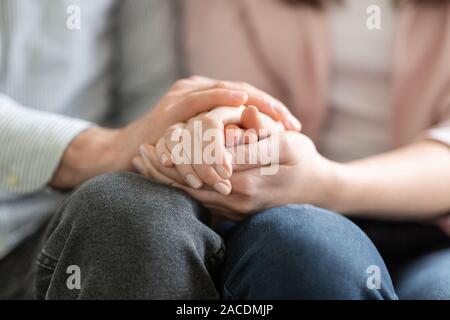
(17, 270)
(134, 239)
(426, 278)
(131, 239)
(304, 252)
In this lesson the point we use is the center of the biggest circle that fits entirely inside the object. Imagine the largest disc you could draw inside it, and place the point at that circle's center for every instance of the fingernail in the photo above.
(138, 165)
(144, 152)
(275, 109)
(223, 172)
(193, 181)
(229, 159)
(164, 159)
(222, 188)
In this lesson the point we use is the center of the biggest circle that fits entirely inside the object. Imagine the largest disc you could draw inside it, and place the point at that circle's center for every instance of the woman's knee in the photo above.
(306, 252)
(302, 229)
(426, 279)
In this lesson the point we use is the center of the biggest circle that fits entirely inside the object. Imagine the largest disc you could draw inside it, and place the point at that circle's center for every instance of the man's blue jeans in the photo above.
(303, 252)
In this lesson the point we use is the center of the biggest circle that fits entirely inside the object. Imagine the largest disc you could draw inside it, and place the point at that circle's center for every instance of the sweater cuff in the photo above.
(32, 144)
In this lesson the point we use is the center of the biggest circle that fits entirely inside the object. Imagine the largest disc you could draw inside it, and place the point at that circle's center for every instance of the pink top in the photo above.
(293, 59)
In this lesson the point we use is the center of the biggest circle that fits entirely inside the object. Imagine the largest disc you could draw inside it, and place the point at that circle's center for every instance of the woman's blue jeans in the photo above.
(304, 252)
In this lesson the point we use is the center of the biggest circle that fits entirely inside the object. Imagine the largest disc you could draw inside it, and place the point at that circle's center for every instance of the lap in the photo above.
(17, 269)
(293, 241)
(302, 252)
(426, 278)
(401, 243)
(137, 239)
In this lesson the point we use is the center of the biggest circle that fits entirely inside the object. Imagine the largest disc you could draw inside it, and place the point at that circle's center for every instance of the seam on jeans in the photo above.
(215, 258)
(45, 266)
(46, 262)
(48, 256)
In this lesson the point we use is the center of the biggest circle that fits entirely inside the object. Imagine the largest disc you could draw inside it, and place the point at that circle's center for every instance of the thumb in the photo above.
(251, 118)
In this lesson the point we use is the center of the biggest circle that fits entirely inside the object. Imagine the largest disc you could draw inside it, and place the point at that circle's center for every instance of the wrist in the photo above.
(331, 184)
(91, 153)
(341, 188)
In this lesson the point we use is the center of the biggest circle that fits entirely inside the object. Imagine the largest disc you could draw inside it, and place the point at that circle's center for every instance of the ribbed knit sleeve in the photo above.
(31, 145)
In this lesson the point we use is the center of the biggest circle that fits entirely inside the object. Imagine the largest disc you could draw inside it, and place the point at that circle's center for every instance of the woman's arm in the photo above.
(409, 183)
(412, 183)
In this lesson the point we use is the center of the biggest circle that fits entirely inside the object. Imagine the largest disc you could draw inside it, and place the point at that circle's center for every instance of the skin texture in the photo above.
(410, 183)
(102, 150)
(232, 121)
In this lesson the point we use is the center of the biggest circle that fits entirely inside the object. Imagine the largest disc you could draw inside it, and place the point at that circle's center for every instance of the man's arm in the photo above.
(145, 55)
(32, 145)
(89, 154)
(145, 68)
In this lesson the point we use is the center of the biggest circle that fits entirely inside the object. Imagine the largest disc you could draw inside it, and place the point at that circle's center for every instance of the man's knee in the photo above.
(307, 252)
(127, 233)
(126, 196)
(129, 210)
(129, 202)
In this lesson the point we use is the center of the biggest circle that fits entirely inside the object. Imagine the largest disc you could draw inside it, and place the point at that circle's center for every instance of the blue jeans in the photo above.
(132, 239)
(304, 252)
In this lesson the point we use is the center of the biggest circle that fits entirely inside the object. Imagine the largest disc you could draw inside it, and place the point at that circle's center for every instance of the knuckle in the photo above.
(251, 191)
(209, 120)
(243, 84)
(169, 131)
(160, 145)
(188, 100)
(181, 83)
(172, 134)
(245, 186)
(218, 94)
(207, 174)
(244, 207)
(221, 85)
(285, 141)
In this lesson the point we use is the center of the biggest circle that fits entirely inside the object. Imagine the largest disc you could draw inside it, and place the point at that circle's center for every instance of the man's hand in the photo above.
(101, 150)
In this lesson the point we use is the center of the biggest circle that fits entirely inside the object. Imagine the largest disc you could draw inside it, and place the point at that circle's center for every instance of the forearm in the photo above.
(409, 183)
(88, 155)
(100, 150)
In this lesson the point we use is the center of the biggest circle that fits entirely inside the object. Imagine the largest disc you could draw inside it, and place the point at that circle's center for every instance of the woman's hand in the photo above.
(302, 176)
(198, 148)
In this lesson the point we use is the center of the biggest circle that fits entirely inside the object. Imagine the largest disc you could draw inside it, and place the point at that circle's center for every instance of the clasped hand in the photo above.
(236, 161)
